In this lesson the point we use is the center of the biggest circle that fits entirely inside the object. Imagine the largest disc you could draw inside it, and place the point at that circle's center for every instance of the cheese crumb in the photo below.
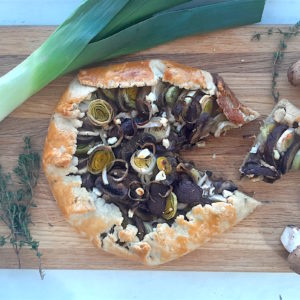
(140, 191)
(164, 121)
(130, 213)
(160, 176)
(112, 140)
(166, 143)
(144, 153)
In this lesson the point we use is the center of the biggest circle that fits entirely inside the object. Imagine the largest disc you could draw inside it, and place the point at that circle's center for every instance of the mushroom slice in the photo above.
(128, 127)
(100, 112)
(188, 192)
(285, 140)
(189, 170)
(85, 139)
(271, 144)
(87, 180)
(115, 191)
(294, 260)
(140, 226)
(160, 132)
(119, 170)
(114, 136)
(290, 238)
(158, 193)
(137, 192)
(192, 112)
(143, 161)
(224, 185)
(254, 168)
(100, 158)
(223, 127)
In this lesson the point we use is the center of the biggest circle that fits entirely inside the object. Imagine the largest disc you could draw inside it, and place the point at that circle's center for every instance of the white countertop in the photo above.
(106, 285)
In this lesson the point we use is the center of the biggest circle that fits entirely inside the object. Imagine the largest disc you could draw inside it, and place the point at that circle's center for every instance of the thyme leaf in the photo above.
(279, 53)
(16, 201)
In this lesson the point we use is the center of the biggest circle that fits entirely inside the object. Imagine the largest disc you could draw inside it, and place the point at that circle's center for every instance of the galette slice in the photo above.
(276, 149)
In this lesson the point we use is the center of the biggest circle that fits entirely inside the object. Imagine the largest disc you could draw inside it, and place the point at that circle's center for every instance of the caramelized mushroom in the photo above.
(158, 193)
(188, 192)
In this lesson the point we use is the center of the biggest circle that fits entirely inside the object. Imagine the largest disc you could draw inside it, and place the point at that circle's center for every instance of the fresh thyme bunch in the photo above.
(279, 53)
(16, 201)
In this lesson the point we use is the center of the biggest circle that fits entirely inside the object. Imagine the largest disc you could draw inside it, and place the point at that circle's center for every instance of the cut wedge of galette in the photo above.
(276, 149)
(112, 158)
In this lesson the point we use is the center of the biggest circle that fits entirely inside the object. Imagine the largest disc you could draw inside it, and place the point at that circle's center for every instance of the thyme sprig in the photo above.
(278, 55)
(16, 201)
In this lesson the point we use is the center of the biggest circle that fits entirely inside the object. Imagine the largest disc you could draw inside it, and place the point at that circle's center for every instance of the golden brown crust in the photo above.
(59, 146)
(184, 76)
(119, 75)
(89, 213)
(233, 109)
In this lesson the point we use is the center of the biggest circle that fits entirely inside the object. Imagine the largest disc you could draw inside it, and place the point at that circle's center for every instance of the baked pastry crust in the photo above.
(101, 221)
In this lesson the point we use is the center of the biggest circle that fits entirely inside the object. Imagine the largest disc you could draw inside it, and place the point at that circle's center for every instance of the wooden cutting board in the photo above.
(246, 66)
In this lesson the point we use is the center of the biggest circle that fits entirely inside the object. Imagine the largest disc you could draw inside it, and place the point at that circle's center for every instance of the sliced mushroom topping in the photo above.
(221, 186)
(116, 191)
(254, 168)
(137, 192)
(85, 139)
(189, 170)
(271, 143)
(114, 136)
(128, 127)
(82, 163)
(119, 170)
(223, 127)
(158, 193)
(193, 112)
(188, 192)
(285, 140)
(161, 132)
(88, 180)
(140, 226)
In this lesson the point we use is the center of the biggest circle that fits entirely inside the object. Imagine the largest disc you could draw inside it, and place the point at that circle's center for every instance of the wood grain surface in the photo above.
(254, 244)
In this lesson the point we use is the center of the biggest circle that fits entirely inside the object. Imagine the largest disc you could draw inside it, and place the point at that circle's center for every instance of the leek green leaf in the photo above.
(60, 49)
(135, 11)
(160, 29)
